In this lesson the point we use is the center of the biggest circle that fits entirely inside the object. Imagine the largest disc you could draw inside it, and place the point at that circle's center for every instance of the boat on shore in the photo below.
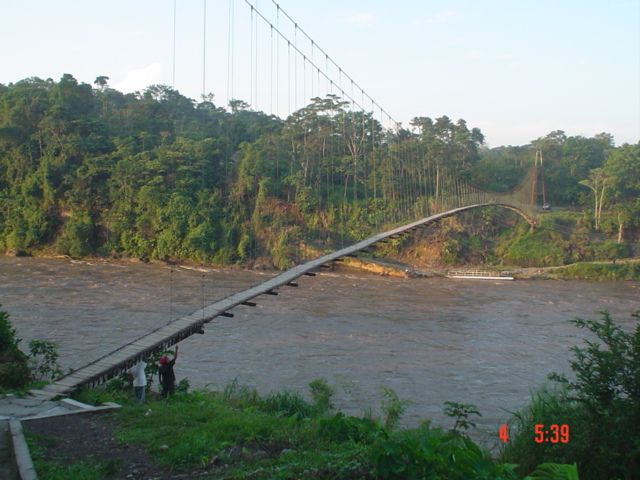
(480, 274)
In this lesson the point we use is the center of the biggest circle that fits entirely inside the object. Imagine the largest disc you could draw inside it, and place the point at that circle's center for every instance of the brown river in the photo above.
(430, 340)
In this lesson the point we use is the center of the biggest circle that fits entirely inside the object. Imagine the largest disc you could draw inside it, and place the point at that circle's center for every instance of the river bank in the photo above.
(237, 434)
(623, 269)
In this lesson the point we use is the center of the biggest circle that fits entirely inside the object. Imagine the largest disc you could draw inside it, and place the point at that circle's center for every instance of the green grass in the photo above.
(547, 407)
(239, 434)
(22, 391)
(199, 426)
(282, 436)
(600, 271)
(540, 248)
(90, 469)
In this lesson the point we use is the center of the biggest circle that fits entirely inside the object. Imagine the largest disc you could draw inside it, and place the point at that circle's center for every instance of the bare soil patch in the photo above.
(91, 438)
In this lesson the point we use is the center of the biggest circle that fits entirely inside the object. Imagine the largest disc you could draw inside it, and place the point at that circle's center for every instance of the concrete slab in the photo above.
(21, 455)
(25, 408)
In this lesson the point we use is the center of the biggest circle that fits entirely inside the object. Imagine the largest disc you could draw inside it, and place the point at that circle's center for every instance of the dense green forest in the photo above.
(155, 175)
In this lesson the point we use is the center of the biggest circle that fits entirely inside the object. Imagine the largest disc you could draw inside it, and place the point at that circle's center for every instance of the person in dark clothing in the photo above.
(166, 375)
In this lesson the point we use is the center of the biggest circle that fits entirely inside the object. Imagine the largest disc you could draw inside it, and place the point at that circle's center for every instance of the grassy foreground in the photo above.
(600, 271)
(238, 434)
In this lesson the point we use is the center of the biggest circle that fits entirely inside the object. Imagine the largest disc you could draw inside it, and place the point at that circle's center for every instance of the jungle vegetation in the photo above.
(88, 170)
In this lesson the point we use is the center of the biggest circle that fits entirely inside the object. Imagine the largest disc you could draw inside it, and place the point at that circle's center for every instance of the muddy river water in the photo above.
(430, 340)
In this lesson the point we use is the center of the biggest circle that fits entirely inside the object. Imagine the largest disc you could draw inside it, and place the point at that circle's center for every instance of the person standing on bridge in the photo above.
(166, 375)
(139, 380)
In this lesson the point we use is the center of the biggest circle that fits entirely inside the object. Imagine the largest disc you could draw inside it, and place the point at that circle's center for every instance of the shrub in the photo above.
(461, 412)
(76, 236)
(537, 249)
(14, 368)
(611, 250)
(342, 428)
(599, 271)
(428, 452)
(548, 406)
(321, 392)
(286, 404)
(8, 339)
(183, 386)
(43, 360)
(601, 406)
(14, 371)
(392, 408)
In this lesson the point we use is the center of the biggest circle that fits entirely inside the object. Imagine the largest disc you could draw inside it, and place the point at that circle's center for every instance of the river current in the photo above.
(489, 343)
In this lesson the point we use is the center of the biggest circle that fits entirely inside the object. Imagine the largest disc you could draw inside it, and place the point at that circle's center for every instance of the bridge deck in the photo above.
(162, 338)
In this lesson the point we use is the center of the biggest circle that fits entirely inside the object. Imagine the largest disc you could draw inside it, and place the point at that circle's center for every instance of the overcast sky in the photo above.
(517, 69)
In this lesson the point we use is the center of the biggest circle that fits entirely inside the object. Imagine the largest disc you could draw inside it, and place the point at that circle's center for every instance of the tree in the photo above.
(623, 170)
(14, 369)
(598, 183)
(101, 82)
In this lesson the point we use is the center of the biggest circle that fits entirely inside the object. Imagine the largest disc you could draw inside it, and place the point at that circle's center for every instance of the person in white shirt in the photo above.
(139, 380)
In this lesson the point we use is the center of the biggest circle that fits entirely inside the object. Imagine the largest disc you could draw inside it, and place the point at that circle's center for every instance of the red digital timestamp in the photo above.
(554, 434)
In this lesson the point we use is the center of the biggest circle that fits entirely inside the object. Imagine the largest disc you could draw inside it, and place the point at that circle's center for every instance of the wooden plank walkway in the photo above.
(123, 358)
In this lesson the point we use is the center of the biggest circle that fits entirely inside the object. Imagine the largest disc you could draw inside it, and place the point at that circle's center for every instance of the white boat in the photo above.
(479, 275)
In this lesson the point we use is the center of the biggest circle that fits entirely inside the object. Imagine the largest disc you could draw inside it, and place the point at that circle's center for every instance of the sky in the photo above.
(515, 69)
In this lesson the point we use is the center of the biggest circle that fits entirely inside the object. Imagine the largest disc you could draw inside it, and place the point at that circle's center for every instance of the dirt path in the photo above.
(91, 438)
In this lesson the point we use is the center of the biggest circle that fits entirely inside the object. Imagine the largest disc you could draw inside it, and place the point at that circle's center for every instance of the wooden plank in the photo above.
(55, 389)
(66, 383)
(41, 393)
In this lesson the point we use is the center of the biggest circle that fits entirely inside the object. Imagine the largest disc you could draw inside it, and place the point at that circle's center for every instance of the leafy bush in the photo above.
(14, 371)
(461, 412)
(287, 404)
(536, 249)
(554, 471)
(14, 368)
(548, 406)
(428, 452)
(342, 428)
(183, 386)
(76, 236)
(451, 251)
(18, 369)
(392, 408)
(321, 392)
(611, 250)
(43, 360)
(8, 339)
(601, 406)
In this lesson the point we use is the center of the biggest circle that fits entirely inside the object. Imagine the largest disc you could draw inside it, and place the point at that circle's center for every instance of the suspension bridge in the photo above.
(405, 181)
(162, 338)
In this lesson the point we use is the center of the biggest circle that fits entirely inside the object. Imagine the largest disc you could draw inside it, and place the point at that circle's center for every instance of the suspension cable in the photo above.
(327, 56)
(204, 49)
(173, 78)
(307, 59)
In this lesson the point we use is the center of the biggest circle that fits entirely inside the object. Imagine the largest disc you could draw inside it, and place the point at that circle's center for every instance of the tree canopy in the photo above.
(155, 175)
